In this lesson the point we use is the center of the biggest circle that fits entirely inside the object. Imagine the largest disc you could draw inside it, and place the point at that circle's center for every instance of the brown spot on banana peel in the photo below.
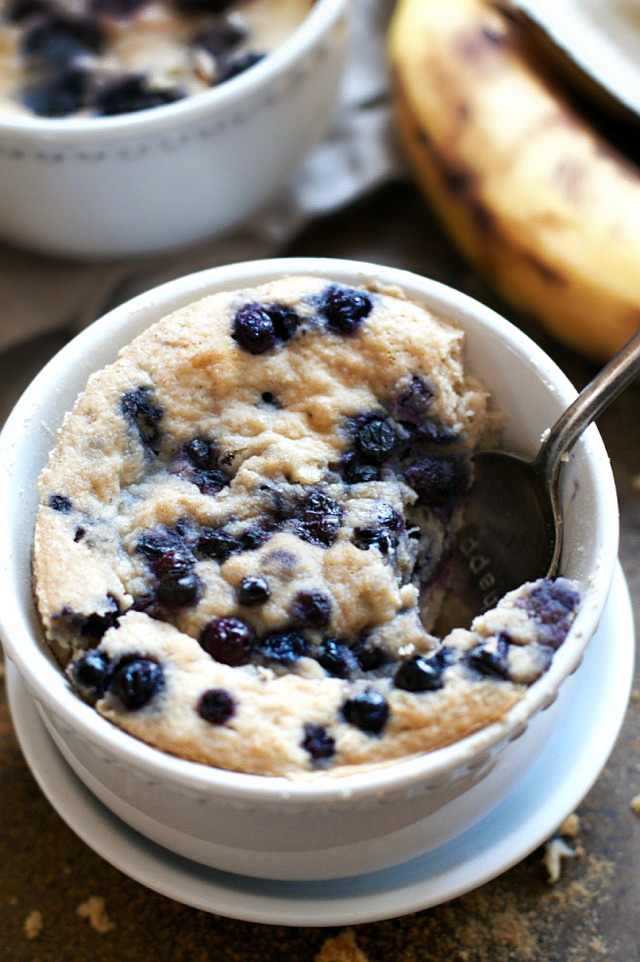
(571, 177)
(481, 44)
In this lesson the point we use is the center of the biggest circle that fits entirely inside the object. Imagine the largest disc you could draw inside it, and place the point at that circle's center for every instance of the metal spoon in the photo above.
(513, 519)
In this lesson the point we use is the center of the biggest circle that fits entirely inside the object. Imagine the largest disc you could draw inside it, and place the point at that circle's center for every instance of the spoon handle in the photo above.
(614, 377)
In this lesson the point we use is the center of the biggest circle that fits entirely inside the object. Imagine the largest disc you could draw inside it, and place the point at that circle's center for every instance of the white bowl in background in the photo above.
(331, 827)
(163, 178)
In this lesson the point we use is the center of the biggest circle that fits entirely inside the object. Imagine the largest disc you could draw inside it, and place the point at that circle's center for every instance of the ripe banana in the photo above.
(543, 207)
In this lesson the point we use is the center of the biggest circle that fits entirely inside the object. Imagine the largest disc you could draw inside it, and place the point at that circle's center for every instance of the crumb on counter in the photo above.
(341, 948)
(555, 850)
(571, 826)
(33, 923)
(93, 909)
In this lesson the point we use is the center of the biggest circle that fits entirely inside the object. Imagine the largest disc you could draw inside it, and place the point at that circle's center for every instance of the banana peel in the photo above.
(542, 206)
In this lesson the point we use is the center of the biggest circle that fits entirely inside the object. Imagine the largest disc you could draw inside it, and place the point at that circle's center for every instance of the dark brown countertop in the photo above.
(589, 915)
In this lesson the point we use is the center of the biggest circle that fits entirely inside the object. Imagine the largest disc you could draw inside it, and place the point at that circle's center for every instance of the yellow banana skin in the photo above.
(542, 206)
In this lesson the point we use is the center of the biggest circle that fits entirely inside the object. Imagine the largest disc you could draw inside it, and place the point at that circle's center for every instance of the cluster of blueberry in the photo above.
(401, 440)
(134, 680)
(61, 48)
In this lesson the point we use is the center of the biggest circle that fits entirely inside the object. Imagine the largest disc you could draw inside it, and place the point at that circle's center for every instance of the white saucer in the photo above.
(555, 785)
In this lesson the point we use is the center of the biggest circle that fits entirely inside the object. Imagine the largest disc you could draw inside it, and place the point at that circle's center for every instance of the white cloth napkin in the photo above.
(40, 294)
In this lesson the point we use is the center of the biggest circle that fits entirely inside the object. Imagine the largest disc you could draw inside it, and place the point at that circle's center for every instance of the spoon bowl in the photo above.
(513, 529)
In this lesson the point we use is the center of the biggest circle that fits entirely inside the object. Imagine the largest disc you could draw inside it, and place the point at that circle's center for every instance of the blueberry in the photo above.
(375, 439)
(228, 640)
(368, 711)
(197, 461)
(320, 519)
(337, 659)
(257, 328)
(91, 673)
(254, 536)
(491, 658)
(148, 603)
(217, 544)
(230, 65)
(203, 6)
(285, 321)
(94, 625)
(216, 706)
(369, 655)
(135, 681)
(433, 433)
(19, 10)
(439, 482)
(57, 96)
(132, 93)
(178, 584)
(144, 414)
(268, 397)
(61, 503)
(344, 308)
(381, 535)
(318, 742)
(355, 471)
(411, 399)
(283, 647)
(202, 453)
(253, 329)
(59, 41)
(115, 8)
(552, 605)
(420, 674)
(172, 564)
(310, 608)
(388, 517)
(219, 37)
(153, 545)
(253, 590)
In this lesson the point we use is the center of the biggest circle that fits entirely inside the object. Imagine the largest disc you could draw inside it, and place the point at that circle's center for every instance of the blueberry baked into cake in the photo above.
(62, 58)
(242, 537)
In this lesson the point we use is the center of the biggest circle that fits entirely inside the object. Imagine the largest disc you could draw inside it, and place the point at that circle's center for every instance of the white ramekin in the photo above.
(331, 827)
(163, 178)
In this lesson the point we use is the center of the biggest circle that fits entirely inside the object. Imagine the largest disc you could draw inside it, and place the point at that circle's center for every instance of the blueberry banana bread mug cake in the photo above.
(61, 58)
(242, 537)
